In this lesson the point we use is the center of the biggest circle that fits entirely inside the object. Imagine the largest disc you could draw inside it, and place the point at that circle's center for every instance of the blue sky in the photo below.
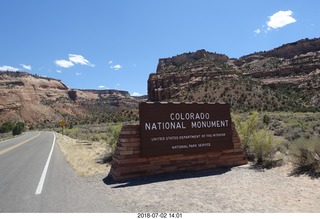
(116, 44)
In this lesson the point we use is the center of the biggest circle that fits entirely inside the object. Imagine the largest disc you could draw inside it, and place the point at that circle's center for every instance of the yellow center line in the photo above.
(17, 145)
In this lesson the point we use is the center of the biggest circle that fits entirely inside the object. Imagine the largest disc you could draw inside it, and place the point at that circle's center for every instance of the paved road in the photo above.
(34, 177)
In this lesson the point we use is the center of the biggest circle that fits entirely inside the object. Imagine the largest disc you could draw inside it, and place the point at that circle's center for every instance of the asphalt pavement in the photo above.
(35, 177)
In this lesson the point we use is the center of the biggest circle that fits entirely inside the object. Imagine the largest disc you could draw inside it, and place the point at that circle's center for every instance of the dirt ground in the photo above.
(83, 155)
(237, 190)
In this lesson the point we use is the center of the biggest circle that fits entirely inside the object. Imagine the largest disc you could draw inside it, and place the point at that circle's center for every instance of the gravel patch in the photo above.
(227, 190)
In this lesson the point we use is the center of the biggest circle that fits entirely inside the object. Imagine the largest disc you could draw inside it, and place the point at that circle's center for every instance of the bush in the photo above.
(261, 145)
(72, 95)
(266, 119)
(305, 154)
(246, 129)
(6, 127)
(18, 128)
(258, 143)
(115, 132)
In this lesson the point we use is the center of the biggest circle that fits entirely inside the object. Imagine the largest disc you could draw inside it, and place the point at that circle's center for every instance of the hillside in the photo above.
(45, 101)
(285, 78)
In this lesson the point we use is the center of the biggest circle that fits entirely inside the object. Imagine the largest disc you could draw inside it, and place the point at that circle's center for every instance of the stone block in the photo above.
(128, 162)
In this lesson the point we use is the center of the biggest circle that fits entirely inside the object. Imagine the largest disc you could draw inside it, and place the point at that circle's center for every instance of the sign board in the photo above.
(172, 128)
(62, 123)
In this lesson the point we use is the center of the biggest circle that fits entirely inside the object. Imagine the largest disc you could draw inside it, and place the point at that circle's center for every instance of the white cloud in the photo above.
(64, 63)
(257, 31)
(58, 71)
(135, 94)
(102, 87)
(110, 62)
(8, 68)
(73, 60)
(79, 59)
(28, 67)
(116, 67)
(280, 19)
(277, 20)
(78, 73)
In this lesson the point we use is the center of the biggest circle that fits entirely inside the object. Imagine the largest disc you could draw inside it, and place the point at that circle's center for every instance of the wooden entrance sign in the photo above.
(169, 128)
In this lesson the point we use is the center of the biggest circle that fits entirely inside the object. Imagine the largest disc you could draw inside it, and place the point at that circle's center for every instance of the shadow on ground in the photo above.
(162, 178)
(305, 170)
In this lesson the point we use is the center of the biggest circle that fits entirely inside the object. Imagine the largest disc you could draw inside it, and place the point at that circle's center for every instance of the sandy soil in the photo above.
(237, 189)
(83, 155)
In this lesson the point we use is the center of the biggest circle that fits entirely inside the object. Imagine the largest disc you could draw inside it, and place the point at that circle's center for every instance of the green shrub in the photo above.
(18, 128)
(261, 145)
(305, 155)
(114, 129)
(6, 127)
(266, 119)
(258, 143)
(246, 129)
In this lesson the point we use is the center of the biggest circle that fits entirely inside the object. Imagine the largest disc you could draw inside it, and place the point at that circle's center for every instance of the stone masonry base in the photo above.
(128, 163)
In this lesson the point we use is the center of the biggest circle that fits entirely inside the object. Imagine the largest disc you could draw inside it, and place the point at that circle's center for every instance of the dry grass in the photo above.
(83, 155)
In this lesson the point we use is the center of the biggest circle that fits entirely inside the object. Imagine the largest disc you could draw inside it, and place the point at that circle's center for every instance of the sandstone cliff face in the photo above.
(186, 71)
(289, 50)
(292, 68)
(35, 99)
(165, 64)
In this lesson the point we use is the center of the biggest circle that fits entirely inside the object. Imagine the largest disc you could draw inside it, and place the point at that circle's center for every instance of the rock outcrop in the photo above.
(185, 72)
(287, 77)
(35, 99)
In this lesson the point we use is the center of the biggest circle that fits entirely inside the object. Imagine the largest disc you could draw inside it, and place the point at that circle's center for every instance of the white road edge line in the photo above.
(44, 173)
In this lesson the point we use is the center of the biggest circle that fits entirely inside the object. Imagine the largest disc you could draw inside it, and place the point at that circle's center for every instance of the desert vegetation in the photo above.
(89, 148)
(256, 139)
(305, 154)
(270, 139)
(103, 133)
(273, 138)
(245, 94)
(15, 128)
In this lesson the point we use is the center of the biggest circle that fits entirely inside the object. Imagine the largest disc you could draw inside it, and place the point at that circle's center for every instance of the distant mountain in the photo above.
(43, 101)
(285, 78)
